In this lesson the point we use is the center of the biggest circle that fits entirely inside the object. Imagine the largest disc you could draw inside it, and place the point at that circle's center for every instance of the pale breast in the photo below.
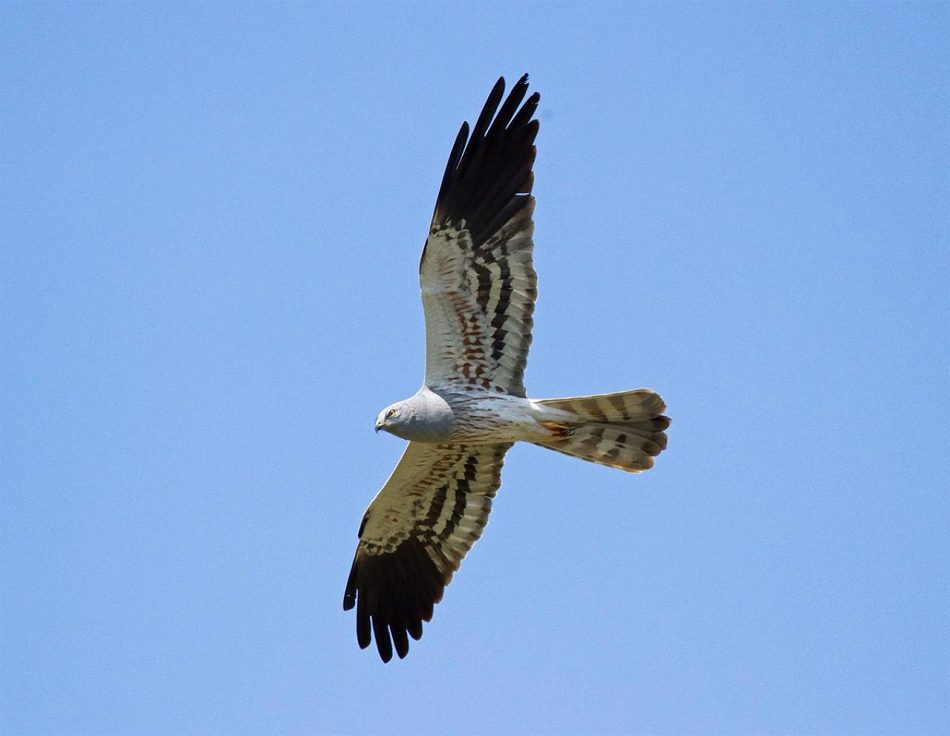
(488, 417)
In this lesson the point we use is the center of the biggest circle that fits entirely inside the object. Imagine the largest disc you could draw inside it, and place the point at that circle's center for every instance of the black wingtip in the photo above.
(394, 593)
(384, 644)
(487, 177)
(349, 593)
(522, 86)
(400, 641)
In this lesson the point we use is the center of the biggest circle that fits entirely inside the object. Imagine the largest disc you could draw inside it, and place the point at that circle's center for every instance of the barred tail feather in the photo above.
(623, 430)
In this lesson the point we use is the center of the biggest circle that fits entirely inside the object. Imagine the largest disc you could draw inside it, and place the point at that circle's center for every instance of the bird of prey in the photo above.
(478, 292)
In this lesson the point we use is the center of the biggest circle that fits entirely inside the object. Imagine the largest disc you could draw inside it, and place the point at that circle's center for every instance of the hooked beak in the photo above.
(379, 426)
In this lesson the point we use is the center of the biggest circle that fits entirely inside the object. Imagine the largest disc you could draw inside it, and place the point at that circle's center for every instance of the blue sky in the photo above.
(211, 221)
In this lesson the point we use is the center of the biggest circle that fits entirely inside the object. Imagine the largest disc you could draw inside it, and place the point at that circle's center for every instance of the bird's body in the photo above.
(478, 291)
(474, 416)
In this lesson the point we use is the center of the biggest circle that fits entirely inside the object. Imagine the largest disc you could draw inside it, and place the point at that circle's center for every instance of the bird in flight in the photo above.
(478, 291)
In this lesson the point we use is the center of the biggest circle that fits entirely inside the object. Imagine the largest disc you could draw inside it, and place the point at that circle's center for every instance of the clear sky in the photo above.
(212, 217)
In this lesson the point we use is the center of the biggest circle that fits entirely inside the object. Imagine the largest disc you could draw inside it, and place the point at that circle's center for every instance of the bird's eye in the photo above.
(391, 413)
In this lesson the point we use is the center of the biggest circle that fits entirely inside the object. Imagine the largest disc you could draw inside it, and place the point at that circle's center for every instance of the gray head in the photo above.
(425, 417)
(393, 417)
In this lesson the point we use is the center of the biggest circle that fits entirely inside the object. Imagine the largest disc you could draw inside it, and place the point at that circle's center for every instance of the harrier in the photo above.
(478, 292)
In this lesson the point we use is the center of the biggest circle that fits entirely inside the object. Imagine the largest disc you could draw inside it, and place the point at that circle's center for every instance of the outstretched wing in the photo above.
(478, 281)
(414, 535)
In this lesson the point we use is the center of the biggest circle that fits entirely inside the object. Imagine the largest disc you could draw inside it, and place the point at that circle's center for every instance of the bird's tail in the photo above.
(622, 430)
